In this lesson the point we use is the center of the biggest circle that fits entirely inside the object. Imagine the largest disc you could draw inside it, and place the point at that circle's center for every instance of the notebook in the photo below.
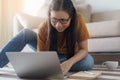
(88, 75)
(36, 65)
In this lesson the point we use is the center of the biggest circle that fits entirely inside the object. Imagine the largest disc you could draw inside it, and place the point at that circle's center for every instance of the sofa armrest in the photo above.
(106, 15)
(23, 20)
(104, 29)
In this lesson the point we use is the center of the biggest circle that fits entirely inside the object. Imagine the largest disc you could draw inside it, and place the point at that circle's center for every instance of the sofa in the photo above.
(103, 27)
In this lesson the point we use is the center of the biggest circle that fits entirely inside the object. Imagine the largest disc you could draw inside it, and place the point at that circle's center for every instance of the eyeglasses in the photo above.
(62, 21)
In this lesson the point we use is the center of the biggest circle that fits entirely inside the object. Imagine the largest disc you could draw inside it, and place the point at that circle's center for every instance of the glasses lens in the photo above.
(54, 20)
(64, 21)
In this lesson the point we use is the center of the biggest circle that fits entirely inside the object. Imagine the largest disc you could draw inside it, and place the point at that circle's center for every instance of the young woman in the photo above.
(63, 31)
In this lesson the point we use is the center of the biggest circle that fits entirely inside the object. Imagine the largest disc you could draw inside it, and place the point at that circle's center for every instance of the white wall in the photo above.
(104, 5)
(0, 13)
(40, 7)
(0, 21)
(32, 6)
(8, 10)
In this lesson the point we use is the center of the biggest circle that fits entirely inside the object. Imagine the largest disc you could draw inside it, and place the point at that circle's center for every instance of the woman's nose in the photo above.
(58, 24)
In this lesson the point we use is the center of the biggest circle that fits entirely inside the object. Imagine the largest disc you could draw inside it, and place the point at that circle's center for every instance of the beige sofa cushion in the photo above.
(85, 10)
(104, 16)
(111, 44)
(104, 29)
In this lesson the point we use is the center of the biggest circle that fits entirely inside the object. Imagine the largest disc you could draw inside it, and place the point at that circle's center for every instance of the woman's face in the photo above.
(60, 20)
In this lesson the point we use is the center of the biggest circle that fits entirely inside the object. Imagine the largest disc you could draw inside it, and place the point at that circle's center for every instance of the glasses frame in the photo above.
(62, 21)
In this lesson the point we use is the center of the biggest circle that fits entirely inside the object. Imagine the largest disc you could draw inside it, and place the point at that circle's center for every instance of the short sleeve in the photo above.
(42, 36)
(82, 29)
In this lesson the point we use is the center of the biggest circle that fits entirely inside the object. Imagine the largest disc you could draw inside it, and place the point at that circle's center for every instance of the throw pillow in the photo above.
(29, 21)
(85, 10)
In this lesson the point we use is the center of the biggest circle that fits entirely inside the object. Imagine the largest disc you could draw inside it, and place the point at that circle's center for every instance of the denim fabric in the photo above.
(83, 65)
(17, 43)
(26, 36)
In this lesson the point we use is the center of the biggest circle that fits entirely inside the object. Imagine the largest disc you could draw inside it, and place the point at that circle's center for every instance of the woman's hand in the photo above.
(65, 66)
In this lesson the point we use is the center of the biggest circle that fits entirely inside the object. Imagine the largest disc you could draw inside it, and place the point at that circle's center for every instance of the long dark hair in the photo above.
(70, 32)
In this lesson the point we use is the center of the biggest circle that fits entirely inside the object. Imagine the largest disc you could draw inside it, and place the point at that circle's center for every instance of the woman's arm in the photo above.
(83, 51)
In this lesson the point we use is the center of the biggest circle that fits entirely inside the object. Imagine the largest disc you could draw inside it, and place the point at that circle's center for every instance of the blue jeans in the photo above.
(83, 65)
(29, 37)
(17, 43)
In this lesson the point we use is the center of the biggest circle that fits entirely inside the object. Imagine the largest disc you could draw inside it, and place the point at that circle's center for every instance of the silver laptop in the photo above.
(36, 65)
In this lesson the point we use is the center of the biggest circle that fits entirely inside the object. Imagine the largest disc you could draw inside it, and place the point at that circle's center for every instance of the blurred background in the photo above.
(8, 9)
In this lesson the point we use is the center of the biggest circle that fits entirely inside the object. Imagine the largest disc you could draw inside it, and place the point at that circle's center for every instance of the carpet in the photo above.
(107, 74)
